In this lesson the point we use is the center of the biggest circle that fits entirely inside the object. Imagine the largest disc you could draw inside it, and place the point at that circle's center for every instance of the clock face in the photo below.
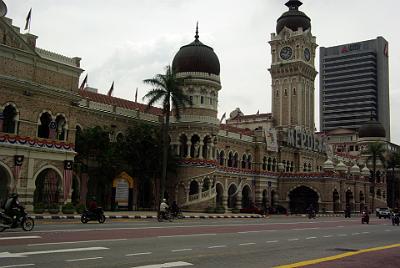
(286, 53)
(307, 54)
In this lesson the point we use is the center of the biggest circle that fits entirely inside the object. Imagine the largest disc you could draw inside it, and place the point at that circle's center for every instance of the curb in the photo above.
(74, 217)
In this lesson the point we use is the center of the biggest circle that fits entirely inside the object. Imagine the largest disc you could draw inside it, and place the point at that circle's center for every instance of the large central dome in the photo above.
(293, 19)
(196, 57)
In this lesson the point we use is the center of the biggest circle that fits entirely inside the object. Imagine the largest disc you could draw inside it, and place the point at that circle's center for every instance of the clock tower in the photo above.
(293, 70)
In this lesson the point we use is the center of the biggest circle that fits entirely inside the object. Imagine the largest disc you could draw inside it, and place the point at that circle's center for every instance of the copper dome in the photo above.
(293, 19)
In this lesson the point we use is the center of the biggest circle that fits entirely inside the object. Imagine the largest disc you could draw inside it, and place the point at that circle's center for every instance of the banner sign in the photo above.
(302, 139)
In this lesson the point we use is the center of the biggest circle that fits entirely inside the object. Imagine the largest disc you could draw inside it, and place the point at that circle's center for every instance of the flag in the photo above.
(52, 129)
(28, 20)
(222, 118)
(258, 112)
(18, 160)
(111, 89)
(136, 95)
(67, 178)
(84, 82)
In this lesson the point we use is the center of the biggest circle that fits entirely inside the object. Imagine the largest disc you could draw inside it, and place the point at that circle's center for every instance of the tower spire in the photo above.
(197, 31)
(293, 4)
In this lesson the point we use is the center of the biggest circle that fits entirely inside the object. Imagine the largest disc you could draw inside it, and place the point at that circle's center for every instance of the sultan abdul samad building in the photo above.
(271, 159)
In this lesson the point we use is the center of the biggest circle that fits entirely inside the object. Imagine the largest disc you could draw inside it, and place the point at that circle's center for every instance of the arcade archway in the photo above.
(5, 181)
(220, 195)
(246, 197)
(232, 196)
(302, 198)
(48, 188)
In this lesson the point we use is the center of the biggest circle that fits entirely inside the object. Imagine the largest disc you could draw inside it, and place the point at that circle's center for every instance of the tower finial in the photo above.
(197, 31)
(293, 4)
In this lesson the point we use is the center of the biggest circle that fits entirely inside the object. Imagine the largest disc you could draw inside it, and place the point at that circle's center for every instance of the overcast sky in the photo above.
(127, 41)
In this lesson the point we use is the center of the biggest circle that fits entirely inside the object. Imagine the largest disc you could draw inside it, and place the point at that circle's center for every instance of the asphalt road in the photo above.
(194, 243)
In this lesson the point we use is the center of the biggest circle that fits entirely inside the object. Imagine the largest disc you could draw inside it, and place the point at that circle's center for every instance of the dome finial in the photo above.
(293, 4)
(197, 31)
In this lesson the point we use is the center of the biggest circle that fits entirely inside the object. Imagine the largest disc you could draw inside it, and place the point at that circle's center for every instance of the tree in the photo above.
(393, 162)
(375, 152)
(167, 89)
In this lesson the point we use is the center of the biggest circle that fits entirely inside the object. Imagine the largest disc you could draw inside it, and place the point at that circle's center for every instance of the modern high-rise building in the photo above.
(354, 85)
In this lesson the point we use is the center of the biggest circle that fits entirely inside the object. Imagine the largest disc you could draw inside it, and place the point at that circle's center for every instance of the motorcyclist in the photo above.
(12, 208)
(163, 208)
(347, 212)
(174, 209)
(93, 208)
(311, 211)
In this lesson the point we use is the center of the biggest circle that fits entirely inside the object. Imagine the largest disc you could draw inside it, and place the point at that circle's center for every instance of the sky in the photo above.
(127, 41)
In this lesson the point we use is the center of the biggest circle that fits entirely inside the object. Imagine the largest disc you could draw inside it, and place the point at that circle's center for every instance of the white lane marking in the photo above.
(259, 231)
(327, 236)
(166, 265)
(340, 226)
(293, 239)
(172, 236)
(138, 254)
(342, 234)
(76, 242)
(24, 254)
(247, 244)
(183, 226)
(305, 229)
(183, 249)
(272, 241)
(388, 230)
(311, 237)
(85, 259)
(18, 265)
(355, 233)
(20, 237)
(218, 246)
(365, 232)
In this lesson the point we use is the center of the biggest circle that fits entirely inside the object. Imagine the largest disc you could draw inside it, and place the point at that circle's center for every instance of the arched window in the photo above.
(291, 167)
(249, 162)
(230, 159)
(236, 160)
(183, 148)
(274, 165)
(304, 167)
(120, 137)
(309, 167)
(8, 119)
(269, 165)
(221, 158)
(244, 161)
(44, 127)
(264, 164)
(61, 128)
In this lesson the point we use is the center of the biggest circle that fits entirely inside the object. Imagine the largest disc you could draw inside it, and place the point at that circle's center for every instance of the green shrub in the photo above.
(68, 208)
(80, 208)
(54, 208)
(235, 210)
(220, 210)
(210, 210)
(38, 208)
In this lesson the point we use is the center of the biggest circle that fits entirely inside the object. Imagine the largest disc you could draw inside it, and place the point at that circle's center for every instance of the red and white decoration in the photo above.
(67, 178)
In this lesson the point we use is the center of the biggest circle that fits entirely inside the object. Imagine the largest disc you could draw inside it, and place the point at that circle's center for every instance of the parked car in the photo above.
(383, 213)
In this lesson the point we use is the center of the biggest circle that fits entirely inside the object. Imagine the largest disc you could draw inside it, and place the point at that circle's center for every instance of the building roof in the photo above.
(243, 131)
(127, 104)
(293, 18)
(196, 57)
(372, 129)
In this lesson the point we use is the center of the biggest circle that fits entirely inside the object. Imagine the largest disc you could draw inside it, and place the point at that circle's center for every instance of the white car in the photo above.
(383, 213)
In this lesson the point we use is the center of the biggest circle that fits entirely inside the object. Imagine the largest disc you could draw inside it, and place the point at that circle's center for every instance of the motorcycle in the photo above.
(97, 215)
(177, 214)
(24, 221)
(395, 219)
(365, 218)
(167, 216)
(312, 215)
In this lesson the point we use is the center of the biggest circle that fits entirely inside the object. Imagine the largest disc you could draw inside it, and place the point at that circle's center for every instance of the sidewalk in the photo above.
(187, 215)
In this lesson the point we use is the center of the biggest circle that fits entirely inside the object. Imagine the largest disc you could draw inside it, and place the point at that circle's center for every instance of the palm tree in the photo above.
(375, 152)
(393, 162)
(167, 89)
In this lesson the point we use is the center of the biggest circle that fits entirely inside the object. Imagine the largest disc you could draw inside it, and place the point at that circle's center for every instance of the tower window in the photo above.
(202, 99)
(285, 92)
(294, 91)
(191, 99)
(211, 101)
(277, 92)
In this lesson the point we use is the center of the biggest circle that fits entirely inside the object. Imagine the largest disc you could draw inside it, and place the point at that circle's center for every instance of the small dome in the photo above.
(341, 167)
(196, 57)
(293, 19)
(328, 165)
(355, 170)
(365, 172)
(372, 129)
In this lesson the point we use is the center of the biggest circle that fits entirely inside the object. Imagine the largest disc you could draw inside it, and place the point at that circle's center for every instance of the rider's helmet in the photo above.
(14, 195)
(164, 200)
